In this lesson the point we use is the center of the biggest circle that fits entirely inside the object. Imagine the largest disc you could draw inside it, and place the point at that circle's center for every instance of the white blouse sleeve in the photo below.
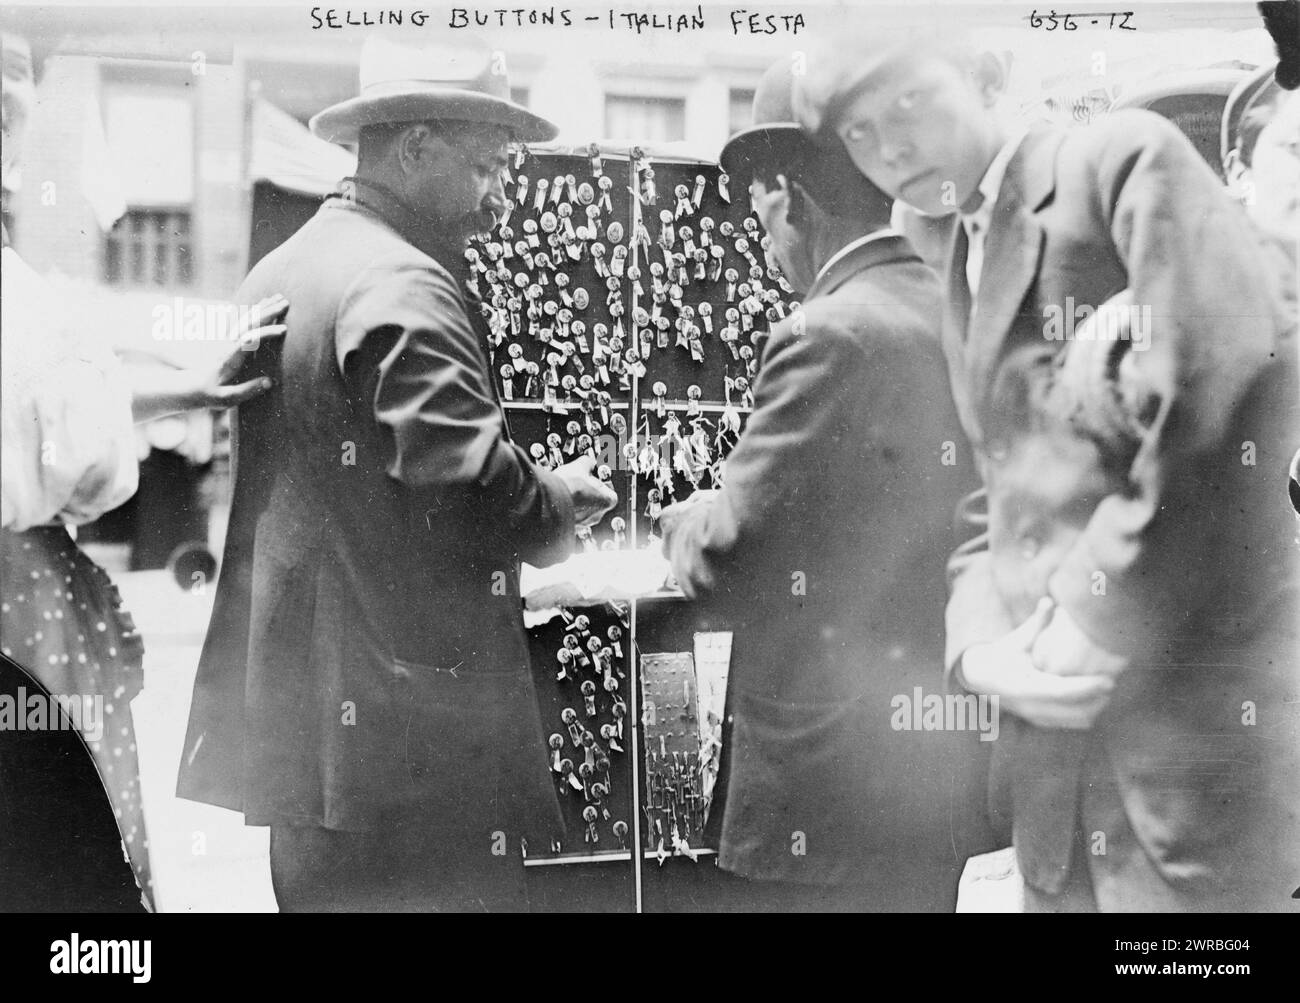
(67, 443)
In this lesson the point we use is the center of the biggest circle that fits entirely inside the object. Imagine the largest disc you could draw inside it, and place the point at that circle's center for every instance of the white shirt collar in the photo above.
(852, 246)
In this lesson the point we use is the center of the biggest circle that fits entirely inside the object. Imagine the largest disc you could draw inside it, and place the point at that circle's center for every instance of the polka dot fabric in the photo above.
(61, 619)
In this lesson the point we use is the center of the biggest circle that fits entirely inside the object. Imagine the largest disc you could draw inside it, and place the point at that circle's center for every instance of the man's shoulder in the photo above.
(1111, 145)
(345, 247)
(1128, 125)
(887, 301)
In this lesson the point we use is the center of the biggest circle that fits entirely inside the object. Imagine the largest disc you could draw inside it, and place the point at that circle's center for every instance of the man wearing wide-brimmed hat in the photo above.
(831, 800)
(364, 688)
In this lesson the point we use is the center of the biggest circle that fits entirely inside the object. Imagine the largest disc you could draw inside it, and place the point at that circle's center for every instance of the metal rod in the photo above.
(606, 856)
(530, 405)
(682, 405)
(634, 670)
(579, 858)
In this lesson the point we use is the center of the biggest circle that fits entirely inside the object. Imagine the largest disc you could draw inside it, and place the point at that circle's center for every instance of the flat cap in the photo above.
(839, 69)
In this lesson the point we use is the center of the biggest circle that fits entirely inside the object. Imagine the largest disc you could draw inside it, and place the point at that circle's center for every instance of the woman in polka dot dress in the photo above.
(67, 455)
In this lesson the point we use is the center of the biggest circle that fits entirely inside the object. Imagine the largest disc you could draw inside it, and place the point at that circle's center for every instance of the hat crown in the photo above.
(774, 95)
(391, 67)
(837, 66)
(401, 82)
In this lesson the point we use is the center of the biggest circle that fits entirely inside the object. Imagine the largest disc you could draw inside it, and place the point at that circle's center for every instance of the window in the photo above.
(648, 120)
(740, 114)
(150, 247)
(149, 130)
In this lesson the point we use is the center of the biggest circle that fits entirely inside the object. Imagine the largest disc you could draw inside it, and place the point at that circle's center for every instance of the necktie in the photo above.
(958, 282)
(976, 227)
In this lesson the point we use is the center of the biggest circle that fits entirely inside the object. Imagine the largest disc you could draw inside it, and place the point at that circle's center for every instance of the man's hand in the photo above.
(160, 390)
(670, 515)
(218, 388)
(591, 498)
(1063, 649)
(1004, 668)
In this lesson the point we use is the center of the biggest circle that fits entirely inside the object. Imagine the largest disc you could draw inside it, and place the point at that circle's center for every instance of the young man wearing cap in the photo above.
(364, 689)
(825, 552)
(1131, 607)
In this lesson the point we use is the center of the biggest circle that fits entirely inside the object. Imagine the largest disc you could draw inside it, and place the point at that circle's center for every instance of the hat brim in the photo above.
(772, 143)
(1240, 101)
(342, 122)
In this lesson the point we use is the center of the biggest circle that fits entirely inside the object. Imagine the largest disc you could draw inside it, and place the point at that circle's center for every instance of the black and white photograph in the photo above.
(652, 458)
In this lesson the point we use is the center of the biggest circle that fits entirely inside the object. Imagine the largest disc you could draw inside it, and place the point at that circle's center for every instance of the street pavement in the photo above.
(204, 859)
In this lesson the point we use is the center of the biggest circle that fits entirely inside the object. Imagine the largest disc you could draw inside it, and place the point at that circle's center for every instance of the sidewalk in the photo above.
(204, 859)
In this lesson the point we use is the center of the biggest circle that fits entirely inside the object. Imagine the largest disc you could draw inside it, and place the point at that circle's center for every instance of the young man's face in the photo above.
(457, 183)
(924, 131)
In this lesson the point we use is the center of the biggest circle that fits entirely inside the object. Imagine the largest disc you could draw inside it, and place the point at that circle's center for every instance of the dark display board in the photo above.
(629, 295)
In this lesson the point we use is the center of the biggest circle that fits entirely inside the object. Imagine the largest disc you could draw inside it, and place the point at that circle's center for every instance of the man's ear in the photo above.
(774, 191)
(800, 206)
(990, 76)
(414, 145)
(1237, 175)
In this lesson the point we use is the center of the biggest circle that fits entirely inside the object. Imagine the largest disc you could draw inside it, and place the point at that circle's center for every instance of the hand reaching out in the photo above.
(221, 388)
(591, 498)
(157, 391)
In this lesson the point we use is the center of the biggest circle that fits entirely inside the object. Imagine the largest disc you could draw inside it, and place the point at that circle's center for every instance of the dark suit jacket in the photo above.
(1161, 543)
(826, 549)
(366, 652)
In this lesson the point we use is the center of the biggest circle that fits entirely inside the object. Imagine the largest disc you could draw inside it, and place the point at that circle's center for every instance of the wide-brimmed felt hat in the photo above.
(774, 136)
(400, 82)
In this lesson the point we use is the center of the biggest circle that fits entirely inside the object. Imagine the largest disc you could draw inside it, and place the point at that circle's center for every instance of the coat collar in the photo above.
(865, 252)
(1031, 174)
(1014, 242)
(1012, 254)
(381, 201)
(1013, 245)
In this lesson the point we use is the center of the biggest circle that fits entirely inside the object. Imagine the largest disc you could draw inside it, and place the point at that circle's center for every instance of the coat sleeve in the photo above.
(431, 393)
(806, 384)
(1190, 258)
